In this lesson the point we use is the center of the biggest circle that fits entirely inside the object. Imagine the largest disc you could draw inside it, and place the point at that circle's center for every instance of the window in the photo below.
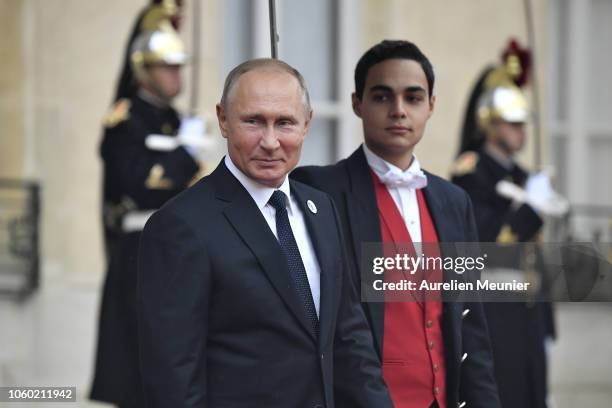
(581, 102)
(315, 37)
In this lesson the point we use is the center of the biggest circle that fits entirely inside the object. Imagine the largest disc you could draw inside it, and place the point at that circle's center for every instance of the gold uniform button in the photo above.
(428, 324)
(436, 390)
(167, 129)
(436, 367)
(431, 345)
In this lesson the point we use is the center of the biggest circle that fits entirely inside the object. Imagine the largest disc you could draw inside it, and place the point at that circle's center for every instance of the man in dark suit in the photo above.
(244, 295)
(434, 353)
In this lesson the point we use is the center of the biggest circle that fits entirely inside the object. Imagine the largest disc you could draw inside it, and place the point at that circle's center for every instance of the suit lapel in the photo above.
(361, 203)
(444, 224)
(320, 227)
(364, 224)
(434, 199)
(243, 214)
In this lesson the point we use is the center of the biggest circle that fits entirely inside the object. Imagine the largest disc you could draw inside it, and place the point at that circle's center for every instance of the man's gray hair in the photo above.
(263, 63)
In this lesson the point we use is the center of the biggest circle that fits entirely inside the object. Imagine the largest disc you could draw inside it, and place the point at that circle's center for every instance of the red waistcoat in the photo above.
(413, 353)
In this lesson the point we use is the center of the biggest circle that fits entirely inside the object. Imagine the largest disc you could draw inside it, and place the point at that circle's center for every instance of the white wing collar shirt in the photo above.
(402, 186)
(261, 195)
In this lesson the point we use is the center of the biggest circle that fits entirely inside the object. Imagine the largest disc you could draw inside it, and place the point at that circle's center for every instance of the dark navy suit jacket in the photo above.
(220, 322)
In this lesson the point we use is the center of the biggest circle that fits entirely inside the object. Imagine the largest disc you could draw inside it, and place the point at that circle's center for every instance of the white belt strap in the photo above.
(135, 220)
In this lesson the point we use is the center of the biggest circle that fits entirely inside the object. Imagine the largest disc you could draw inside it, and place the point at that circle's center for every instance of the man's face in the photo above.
(395, 107)
(166, 80)
(509, 136)
(265, 124)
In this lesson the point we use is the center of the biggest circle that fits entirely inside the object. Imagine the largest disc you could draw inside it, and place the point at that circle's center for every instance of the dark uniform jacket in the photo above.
(136, 179)
(464, 328)
(517, 330)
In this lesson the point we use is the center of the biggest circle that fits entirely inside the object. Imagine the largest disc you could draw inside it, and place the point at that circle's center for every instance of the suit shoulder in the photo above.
(445, 185)
(314, 172)
(321, 177)
(453, 193)
(465, 164)
(192, 202)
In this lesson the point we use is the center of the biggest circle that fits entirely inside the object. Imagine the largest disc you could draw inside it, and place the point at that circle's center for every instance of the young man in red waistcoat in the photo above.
(434, 353)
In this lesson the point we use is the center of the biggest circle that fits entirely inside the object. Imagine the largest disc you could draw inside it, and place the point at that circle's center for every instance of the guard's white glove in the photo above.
(539, 189)
(191, 135)
(541, 196)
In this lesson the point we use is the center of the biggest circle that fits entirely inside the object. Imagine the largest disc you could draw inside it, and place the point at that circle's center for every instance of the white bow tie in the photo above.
(411, 179)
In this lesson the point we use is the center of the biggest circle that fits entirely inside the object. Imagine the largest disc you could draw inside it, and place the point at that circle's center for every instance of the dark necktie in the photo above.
(294, 260)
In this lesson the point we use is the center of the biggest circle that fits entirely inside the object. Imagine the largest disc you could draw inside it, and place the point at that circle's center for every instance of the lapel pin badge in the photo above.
(311, 206)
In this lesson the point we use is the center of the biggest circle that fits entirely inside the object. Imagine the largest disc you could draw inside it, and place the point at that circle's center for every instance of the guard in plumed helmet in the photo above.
(169, 10)
(494, 132)
(138, 179)
(157, 14)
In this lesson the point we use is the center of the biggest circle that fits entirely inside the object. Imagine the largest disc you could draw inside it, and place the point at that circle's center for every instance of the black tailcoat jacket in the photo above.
(464, 327)
(220, 322)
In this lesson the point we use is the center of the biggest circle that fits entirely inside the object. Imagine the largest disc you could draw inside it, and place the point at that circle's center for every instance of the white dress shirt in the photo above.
(405, 198)
(261, 195)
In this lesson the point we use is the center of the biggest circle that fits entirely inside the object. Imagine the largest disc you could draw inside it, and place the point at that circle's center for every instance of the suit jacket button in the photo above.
(322, 356)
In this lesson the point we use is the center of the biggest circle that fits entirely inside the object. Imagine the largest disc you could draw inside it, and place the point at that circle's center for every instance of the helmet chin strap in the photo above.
(154, 90)
(500, 144)
(505, 146)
